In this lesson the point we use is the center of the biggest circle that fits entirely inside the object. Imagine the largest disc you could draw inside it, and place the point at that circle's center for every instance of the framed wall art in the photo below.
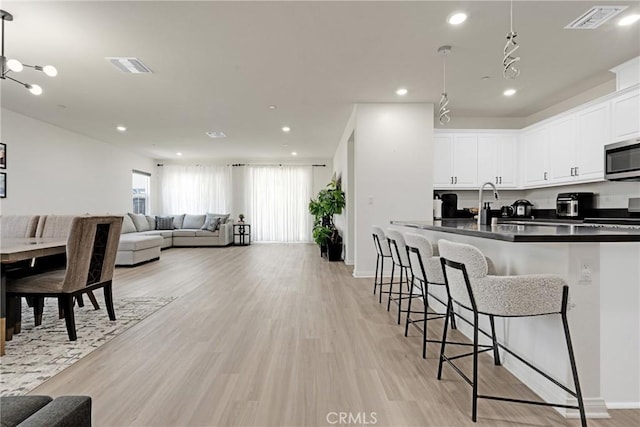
(3, 185)
(3, 156)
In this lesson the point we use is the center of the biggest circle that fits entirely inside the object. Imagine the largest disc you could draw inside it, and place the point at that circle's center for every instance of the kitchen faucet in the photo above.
(495, 195)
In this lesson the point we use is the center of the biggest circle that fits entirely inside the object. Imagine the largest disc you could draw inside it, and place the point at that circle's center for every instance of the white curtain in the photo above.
(277, 202)
(195, 189)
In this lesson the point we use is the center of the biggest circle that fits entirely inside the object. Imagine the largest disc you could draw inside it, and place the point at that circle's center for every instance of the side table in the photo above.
(241, 234)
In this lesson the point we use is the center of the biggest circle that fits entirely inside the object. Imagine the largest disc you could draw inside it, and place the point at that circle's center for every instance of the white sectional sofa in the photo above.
(143, 236)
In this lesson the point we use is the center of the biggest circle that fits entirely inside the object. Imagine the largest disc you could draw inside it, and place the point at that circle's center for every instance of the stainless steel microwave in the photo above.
(622, 161)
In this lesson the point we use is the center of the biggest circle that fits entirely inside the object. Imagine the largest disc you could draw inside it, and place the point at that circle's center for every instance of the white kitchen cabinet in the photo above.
(535, 157)
(593, 130)
(497, 160)
(455, 159)
(563, 136)
(625, 116)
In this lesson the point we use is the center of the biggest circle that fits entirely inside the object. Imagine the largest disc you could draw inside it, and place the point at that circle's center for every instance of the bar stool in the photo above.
(465, 272)
(400, 260)
(382, 251)
(425, 270)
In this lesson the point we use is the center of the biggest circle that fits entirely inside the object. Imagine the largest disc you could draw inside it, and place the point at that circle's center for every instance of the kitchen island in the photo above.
(602, 268)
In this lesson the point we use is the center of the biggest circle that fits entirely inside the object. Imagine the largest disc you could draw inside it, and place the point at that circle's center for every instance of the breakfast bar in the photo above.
(602, 267)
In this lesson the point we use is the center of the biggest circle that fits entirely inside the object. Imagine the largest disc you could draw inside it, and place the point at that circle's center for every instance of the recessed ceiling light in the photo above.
(457, 18)
(402, 91)
(272, 107)
(178, 154)
(286, 129)
(293, 153)
(121, 128)
(485, 78)
(629, 20)
(509, 92)
(216, 134)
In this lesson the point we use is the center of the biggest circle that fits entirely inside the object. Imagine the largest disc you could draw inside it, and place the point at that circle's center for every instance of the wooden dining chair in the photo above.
(91, 254)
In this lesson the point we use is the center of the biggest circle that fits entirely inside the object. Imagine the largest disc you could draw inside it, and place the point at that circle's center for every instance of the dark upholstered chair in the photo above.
(91, 253)
(38, 411)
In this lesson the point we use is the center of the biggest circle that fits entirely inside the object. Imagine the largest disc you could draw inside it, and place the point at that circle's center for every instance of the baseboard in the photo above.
(623, 405)
(363, 274)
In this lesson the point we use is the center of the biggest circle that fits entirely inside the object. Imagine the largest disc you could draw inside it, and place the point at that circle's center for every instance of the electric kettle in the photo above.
(522, 208)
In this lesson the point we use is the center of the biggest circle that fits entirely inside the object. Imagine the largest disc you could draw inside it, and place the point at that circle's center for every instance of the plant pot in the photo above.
(334, 251)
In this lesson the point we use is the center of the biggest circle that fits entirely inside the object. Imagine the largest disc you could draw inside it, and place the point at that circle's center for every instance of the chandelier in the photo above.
(13, 65)
(443, 110)
(509, 69)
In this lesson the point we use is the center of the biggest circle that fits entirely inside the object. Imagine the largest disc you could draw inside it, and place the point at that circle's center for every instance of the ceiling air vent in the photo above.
(216, 134)
(129, 65)
(595, 17)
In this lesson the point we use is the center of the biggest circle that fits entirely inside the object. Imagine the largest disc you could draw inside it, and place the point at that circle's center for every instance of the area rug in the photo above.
(38, 353)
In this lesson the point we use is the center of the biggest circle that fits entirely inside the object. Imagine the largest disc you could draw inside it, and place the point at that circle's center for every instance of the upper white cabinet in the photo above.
(455, 159)
(593, 131)
(563, 137)
(498, 160)
(625, 116)
(535, 157)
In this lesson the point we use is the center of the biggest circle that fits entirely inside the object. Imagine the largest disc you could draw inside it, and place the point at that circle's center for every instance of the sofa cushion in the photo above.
(16, 409)
(136, 242)
(164, 223)
(211, 223)
(207, 233)
(193, 221)
(163, 233)
(127, 225)
(184, 233)
(178, 220)
(151, 220)
(140, 222)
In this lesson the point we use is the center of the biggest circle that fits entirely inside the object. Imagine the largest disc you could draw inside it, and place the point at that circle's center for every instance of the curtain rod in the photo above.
(263, 164)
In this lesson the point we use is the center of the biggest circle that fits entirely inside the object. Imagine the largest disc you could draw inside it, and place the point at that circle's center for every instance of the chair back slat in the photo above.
(18, 226)
(475, 267)
(380, 239)
(91, 251)
(398, 248)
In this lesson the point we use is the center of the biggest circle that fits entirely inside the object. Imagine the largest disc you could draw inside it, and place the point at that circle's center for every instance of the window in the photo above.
(141, 187)
(194, 189)
(278, 203)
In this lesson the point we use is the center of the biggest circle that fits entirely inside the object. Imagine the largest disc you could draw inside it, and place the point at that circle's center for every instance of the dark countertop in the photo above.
(527, 232)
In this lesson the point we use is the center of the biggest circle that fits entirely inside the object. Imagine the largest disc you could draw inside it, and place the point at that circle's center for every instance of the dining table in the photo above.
(13, 250)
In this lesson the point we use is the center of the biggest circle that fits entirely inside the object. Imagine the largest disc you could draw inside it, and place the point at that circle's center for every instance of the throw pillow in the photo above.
(140, 222)
(193, 221)
(224, 218)
(164, 223)
(127, 225)
(211, 223)
(177, 221)
(151, 221)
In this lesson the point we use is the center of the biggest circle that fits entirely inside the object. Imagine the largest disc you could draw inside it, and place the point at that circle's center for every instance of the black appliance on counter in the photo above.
(449, 205)
(522, 208)
(574, 205)
(507, 211)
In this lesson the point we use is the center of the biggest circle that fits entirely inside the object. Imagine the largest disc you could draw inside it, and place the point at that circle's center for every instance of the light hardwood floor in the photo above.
(273, 335)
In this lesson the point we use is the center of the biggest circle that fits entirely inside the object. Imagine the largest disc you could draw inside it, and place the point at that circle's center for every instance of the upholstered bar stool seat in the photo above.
(382, 252)
(426, 271)
(470, 287)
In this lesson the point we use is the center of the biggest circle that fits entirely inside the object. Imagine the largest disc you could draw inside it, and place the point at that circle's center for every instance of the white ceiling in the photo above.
(219, 65)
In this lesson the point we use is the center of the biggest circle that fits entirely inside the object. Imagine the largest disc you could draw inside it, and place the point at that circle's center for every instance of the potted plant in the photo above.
(330, 201)
(241, 218)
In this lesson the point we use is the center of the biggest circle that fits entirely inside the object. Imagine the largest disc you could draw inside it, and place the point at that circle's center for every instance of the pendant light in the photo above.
(509, 70)
(13, 65)
(443, 110)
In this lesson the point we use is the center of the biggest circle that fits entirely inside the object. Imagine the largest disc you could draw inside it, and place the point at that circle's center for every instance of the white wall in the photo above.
(51, 170)
(343, 167)
(393, 160)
